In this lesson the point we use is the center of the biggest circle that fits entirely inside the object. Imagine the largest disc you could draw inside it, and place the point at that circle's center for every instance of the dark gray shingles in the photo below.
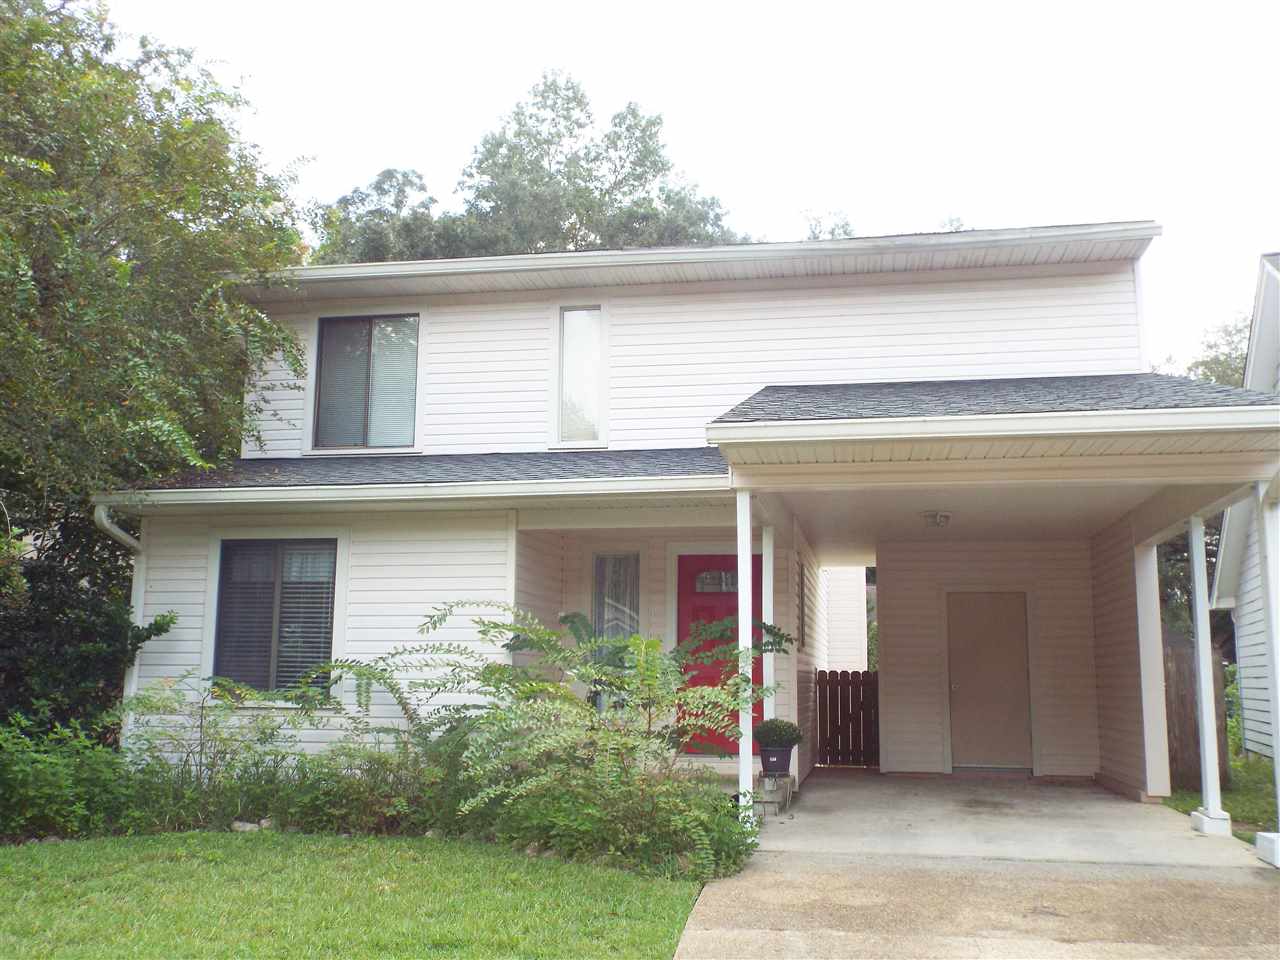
(457, 468)
(953, 398)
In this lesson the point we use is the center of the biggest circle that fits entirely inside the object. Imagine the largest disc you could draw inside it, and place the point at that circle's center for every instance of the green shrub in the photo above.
(61, 782)
(594, 776)
(579, 753)
(778, 733)
(64, 646)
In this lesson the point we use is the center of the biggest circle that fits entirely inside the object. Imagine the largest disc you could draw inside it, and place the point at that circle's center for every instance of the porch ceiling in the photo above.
(844, 526)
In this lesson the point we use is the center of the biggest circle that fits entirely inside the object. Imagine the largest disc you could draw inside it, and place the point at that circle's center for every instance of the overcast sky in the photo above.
(899, 115)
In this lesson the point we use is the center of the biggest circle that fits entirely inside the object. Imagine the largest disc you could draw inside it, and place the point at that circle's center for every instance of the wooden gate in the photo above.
(848, 718)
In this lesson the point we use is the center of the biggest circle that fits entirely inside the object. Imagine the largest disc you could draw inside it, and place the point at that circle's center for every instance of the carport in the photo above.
(862, 813)
(888, 866)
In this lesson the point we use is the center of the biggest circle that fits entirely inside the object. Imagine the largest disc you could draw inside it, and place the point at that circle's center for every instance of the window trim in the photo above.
(557, 377)
(310, 411)
(213, 568)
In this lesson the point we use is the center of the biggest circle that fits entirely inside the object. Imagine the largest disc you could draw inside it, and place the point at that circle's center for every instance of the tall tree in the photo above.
(548, 179)
(128, 206)
(128, 202)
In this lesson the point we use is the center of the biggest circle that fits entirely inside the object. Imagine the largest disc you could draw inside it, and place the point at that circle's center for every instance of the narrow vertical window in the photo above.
(367, 382)
(581, 374)
(616, 606)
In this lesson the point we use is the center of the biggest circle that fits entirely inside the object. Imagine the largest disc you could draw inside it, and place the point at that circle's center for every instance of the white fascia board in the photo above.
(401, 492)
(732, 253)
(999, 425)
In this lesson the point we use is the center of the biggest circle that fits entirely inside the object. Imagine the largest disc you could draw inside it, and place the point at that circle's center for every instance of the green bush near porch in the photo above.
(269, 894)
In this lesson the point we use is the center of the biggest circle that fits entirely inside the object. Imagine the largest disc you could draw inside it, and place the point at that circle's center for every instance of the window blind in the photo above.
(344, 383)
(275, 610)
(367, 383)
(394, 382)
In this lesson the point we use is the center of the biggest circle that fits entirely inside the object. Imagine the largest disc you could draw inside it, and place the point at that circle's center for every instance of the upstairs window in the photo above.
(581, 375)
(367, 376)
(275, 610)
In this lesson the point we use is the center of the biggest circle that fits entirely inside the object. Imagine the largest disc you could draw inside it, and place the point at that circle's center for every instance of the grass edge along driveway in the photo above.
(270, 894)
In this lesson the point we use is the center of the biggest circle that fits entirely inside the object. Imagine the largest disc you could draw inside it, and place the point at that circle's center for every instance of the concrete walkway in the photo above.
(874, 866)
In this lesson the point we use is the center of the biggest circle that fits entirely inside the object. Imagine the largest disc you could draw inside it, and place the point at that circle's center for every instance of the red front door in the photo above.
(706, 590)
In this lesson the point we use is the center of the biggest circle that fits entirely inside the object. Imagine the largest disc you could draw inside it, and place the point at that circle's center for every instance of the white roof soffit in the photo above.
(1023, 246)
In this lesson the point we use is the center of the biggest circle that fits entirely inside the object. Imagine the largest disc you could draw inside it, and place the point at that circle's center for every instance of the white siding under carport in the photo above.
(912, 579)
(847, 617)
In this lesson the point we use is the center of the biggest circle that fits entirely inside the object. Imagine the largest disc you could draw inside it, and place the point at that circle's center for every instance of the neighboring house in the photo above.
(640, 434)
(1238, 582)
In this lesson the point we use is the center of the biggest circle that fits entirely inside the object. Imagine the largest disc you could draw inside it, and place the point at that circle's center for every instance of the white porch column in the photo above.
(1155, 731)
(1210, 818)
(745, 766)
(1264, 516)
(766, 610)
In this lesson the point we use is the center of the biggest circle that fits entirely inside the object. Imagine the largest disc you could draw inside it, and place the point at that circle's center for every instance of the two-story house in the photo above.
(656, 437)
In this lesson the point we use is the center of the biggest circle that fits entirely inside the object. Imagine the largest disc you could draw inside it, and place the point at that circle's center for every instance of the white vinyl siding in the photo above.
(1252, 655)
(912, 579)
(1121, 744)
(399, 567)
(813, 655)
(847, 616)
(680, 355)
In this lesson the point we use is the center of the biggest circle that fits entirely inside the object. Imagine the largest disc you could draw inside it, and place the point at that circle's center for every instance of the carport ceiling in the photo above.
(844, 526)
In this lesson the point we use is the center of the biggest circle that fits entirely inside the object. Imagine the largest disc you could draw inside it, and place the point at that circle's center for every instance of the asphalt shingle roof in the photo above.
(457, 468)
(959, 398)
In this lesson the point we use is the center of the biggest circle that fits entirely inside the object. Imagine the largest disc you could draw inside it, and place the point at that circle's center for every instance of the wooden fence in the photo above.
(848, 718)
(1180, 713)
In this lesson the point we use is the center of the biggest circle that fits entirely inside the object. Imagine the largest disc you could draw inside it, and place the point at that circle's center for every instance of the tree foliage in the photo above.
(65, 648)
(128, 203)
(1223, 354)
(548, 179)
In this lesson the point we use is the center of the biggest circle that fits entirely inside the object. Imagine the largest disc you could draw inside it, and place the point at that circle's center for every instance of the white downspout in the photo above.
(102, 520)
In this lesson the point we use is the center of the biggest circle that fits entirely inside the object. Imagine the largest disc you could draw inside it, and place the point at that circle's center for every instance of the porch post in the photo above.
(1155, 731)
(766, 609)
(1210, 818)
(1268, 844)
(745, 767)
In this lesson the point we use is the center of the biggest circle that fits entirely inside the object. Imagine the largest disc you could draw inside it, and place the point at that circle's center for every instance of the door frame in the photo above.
(1033, 659)
(684, 548)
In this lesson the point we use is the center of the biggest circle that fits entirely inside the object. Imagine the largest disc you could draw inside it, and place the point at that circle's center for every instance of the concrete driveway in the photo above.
(871, 866)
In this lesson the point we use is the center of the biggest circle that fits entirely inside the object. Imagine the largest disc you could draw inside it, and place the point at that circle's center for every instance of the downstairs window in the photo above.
(275, 610)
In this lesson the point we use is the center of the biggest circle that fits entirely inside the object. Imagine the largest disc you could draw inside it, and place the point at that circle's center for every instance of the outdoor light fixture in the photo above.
(936, 518)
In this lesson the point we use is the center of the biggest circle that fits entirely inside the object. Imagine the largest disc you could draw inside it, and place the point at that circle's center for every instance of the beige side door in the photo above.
(990, 696)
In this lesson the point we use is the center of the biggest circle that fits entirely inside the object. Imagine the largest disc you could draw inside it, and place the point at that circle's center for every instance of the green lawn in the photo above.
(1251, 800)
(287, 895)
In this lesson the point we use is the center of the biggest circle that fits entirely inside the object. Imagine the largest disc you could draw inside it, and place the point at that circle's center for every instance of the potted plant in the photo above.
(776, 739)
